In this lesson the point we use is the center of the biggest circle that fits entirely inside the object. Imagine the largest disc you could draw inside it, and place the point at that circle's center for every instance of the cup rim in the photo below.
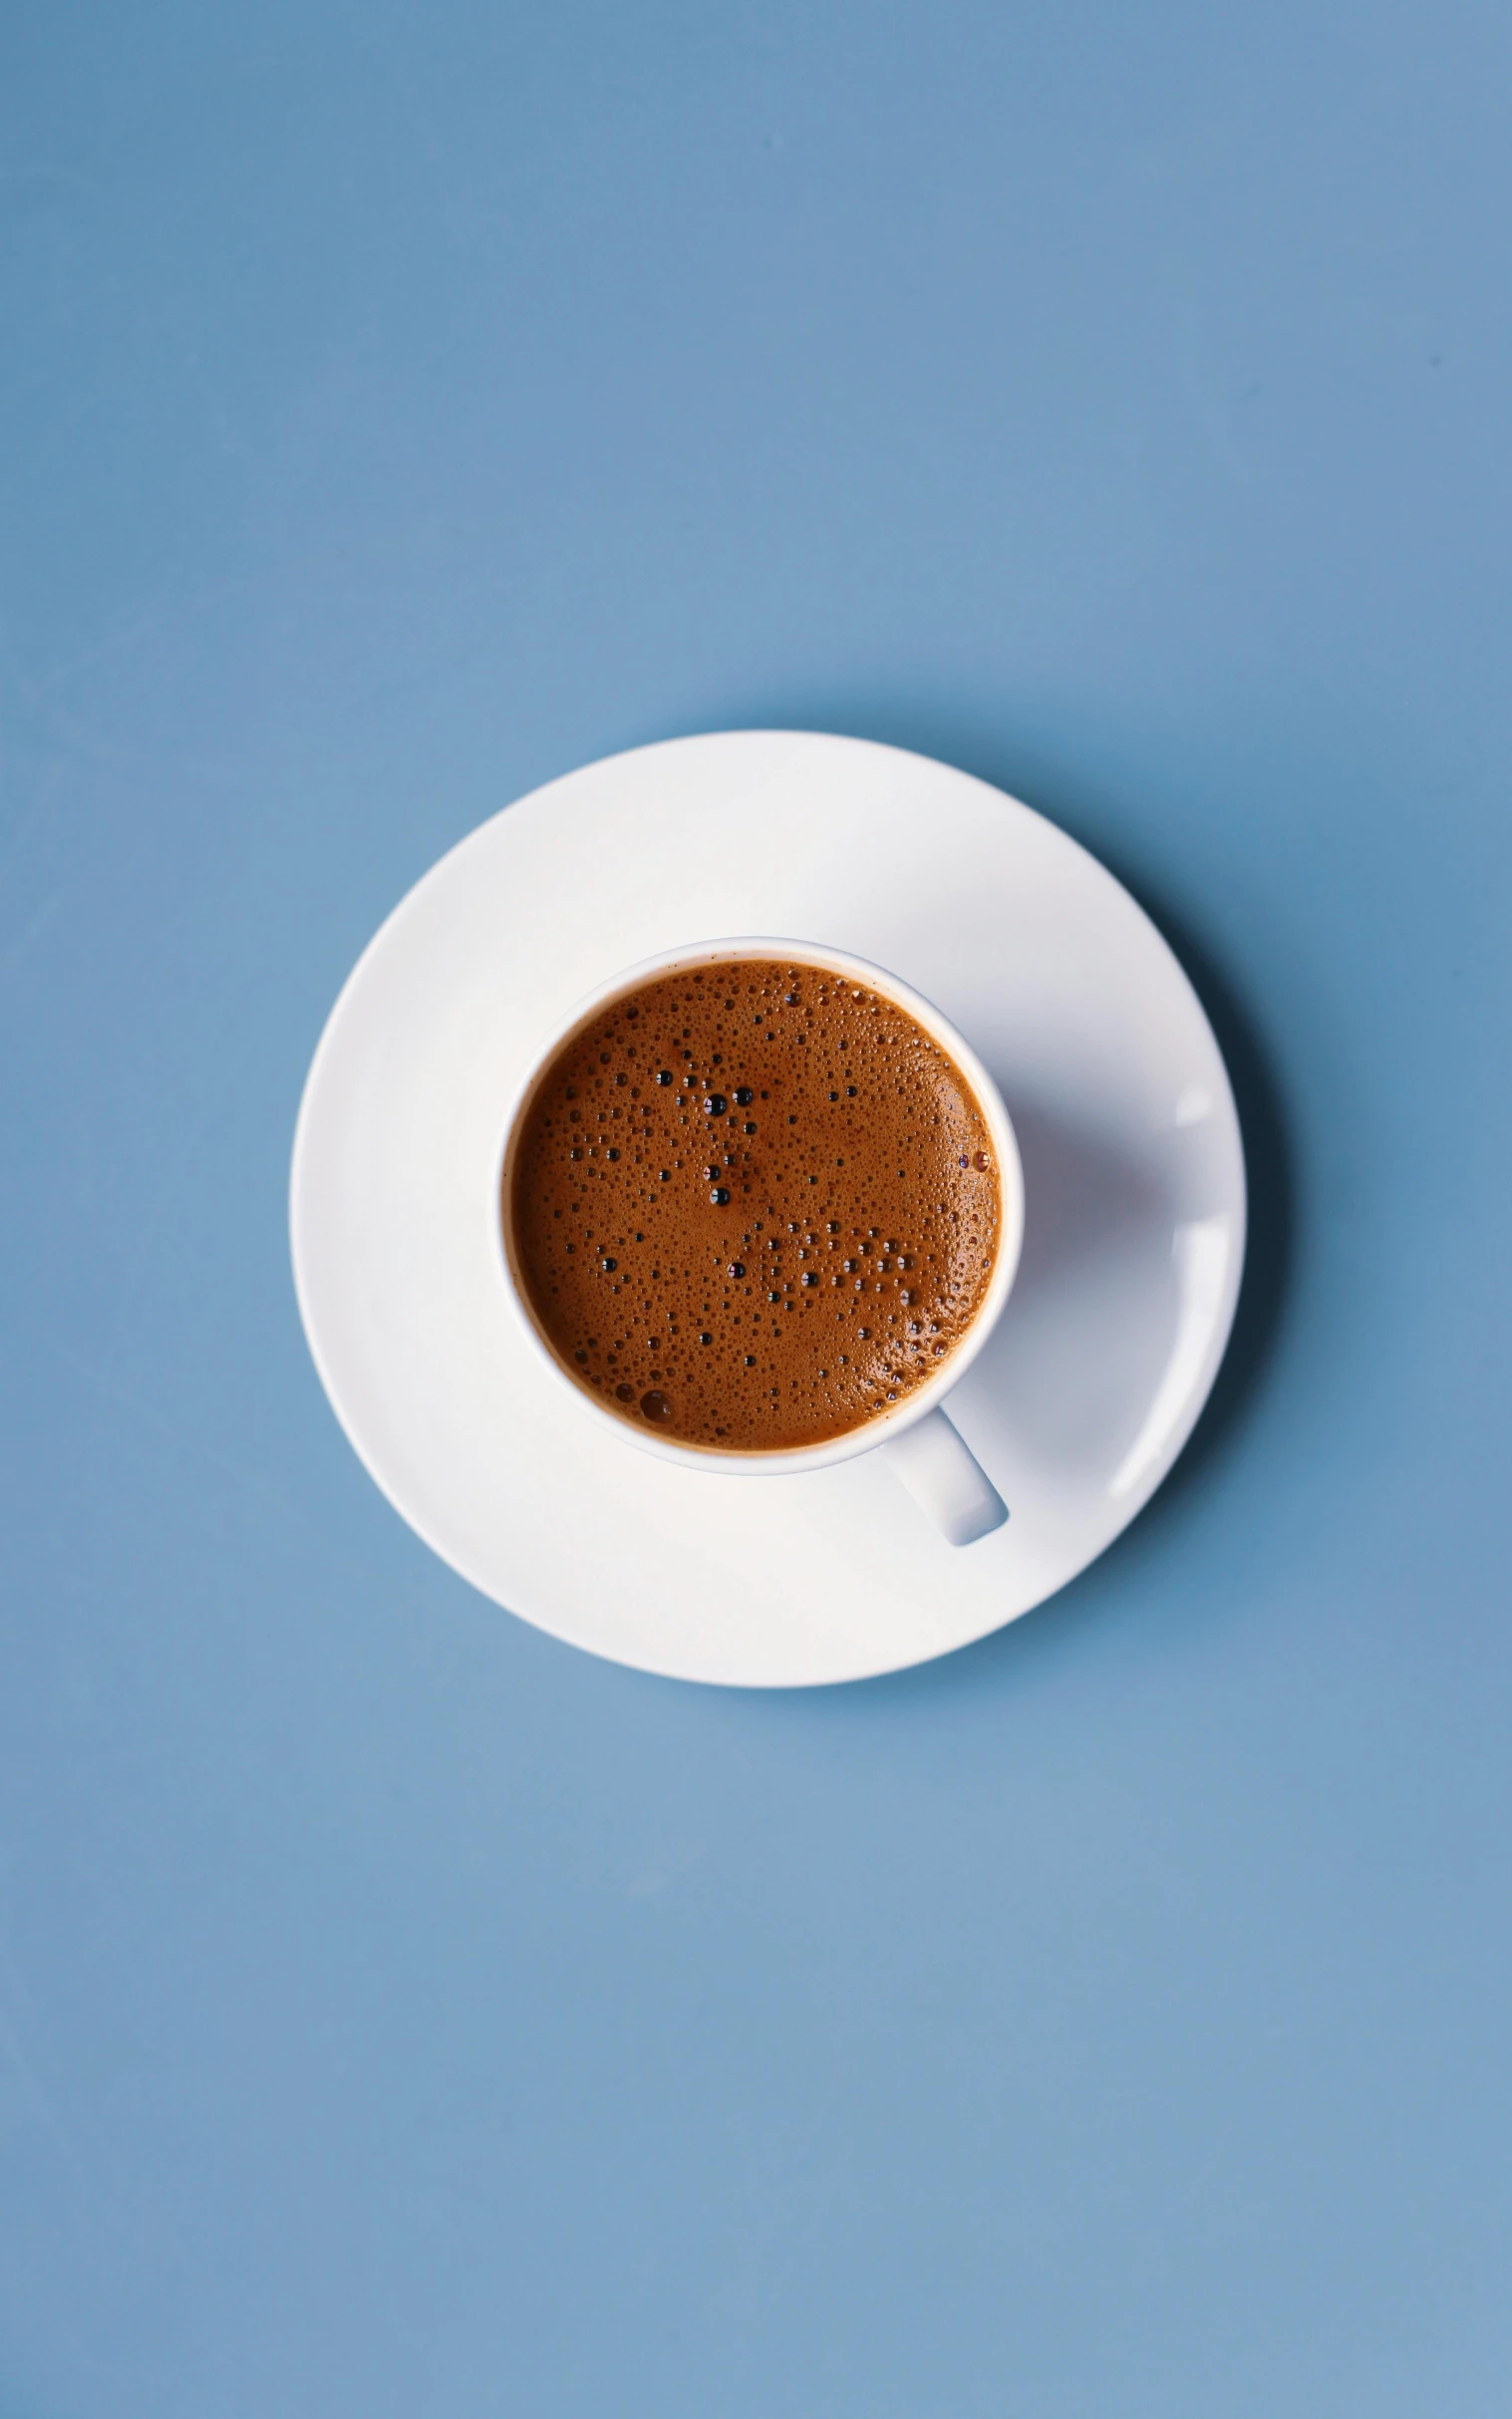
(782, 1460)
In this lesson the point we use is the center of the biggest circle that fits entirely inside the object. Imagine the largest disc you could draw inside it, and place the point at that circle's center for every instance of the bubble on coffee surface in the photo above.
(752, 1205)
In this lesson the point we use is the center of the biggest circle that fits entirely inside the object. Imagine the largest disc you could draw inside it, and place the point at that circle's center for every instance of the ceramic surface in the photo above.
(1133, 1186)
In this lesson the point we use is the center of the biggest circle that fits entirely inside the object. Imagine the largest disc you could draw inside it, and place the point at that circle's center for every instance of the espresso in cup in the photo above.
(752, 1205)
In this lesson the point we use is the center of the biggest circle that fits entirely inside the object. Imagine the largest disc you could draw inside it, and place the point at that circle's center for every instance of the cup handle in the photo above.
(946, 1480)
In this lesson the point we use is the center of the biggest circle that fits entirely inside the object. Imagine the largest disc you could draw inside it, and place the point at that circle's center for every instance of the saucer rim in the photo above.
(307, 1284)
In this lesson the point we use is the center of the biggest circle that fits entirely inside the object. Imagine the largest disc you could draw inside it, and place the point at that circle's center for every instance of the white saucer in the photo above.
(1133, 1178)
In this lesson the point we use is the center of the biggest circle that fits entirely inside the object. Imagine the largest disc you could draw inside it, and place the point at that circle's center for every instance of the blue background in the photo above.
(399, 2011)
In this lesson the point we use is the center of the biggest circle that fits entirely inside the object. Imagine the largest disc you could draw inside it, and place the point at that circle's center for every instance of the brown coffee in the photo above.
(752, 1205)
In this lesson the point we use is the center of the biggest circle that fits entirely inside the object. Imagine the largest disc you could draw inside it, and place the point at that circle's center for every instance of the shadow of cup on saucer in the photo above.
(1270, 1172)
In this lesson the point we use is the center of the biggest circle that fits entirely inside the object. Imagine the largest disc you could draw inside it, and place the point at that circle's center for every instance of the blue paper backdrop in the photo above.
(399, 2013)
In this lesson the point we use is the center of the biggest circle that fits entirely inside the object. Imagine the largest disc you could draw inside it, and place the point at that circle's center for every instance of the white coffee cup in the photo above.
(936, 1467)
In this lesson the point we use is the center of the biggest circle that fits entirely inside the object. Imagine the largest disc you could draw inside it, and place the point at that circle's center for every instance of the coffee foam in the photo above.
(754, 1205)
